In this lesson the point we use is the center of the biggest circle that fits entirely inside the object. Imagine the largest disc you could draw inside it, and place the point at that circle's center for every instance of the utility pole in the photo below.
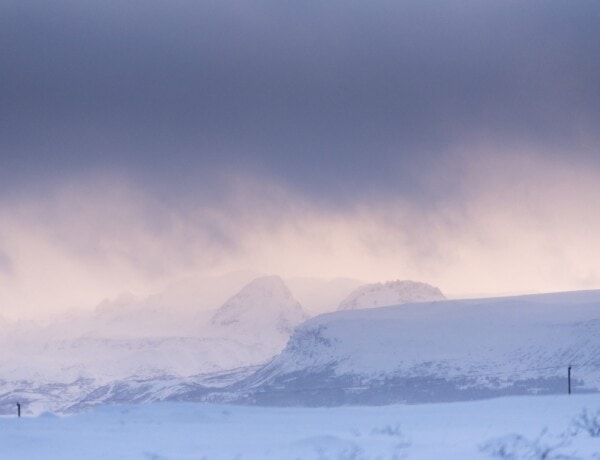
(569, 377)
(19, 410)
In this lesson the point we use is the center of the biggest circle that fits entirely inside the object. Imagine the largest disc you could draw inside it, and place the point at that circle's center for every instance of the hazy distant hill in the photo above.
(390, 293)
(263, 311)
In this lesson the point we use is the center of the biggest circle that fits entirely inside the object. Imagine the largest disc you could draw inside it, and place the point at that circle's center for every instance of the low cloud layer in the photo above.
(516, 223)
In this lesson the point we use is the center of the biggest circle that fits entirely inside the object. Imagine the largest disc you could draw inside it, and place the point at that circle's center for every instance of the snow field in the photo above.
(177, 431)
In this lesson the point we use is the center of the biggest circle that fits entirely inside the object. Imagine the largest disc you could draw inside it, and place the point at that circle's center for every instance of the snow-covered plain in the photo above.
(201, 431)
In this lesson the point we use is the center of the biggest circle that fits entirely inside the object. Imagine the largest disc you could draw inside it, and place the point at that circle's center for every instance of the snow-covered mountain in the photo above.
(438, 351)
(427, 351)
(154, 336)
(131, 340)
(263, 310)
(390, 293)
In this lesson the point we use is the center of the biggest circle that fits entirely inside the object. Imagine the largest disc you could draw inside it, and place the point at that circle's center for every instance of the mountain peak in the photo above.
(391, 293)
(265, 302)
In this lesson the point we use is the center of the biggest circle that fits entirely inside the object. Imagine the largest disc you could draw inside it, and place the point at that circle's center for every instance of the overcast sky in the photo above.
(453, 142)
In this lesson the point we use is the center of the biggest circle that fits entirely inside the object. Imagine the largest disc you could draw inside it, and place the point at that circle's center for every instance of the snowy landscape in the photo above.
(299, 230)
(332, 382)
(168, 346)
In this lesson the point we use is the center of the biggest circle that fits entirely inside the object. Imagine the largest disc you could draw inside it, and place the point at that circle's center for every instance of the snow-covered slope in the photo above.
(436, 351)
(147, 390)
(390, 293)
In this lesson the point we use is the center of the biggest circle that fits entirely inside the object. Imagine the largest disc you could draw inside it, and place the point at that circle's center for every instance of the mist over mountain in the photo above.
(196, 326)
(321, 295)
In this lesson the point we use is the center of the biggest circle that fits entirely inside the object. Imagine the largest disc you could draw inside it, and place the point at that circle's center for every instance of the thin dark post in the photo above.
(569, 374)
(19, 410)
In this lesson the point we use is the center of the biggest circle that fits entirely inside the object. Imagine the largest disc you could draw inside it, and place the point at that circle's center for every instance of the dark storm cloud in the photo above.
(326, 97)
